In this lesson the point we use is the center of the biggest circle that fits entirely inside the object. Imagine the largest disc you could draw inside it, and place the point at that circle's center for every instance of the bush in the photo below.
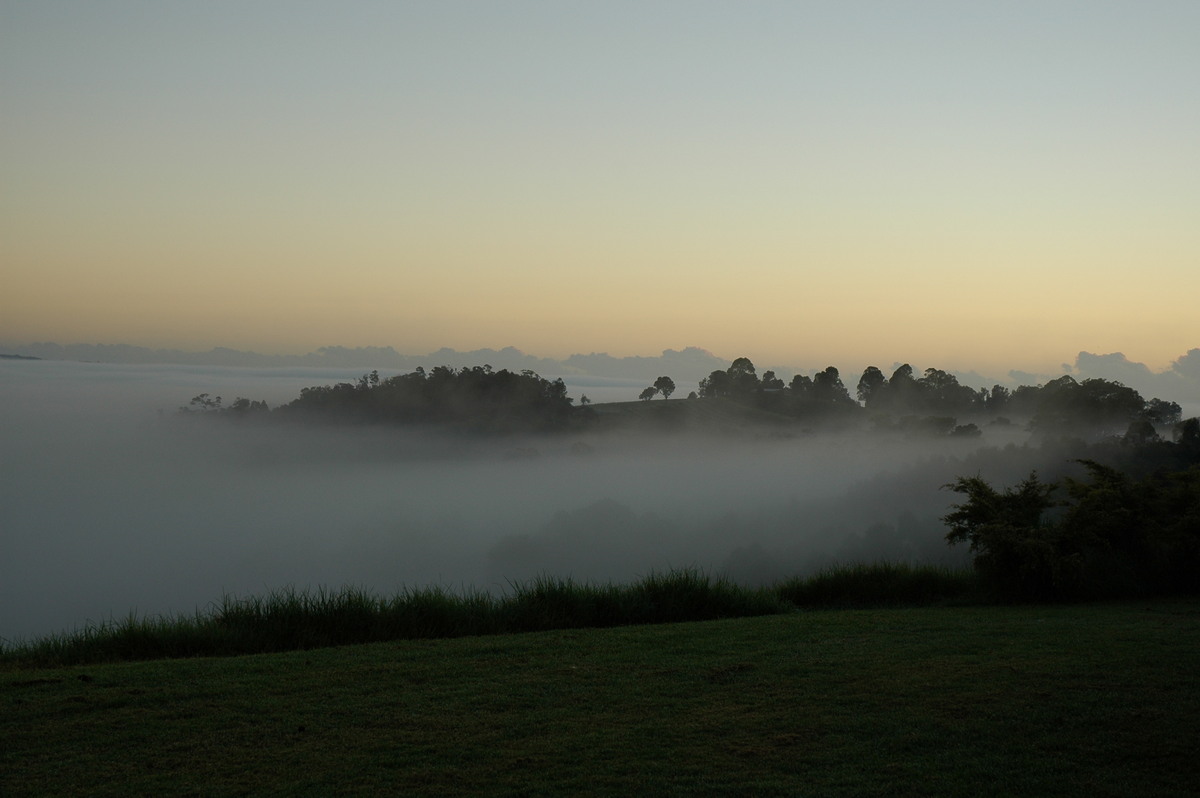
(1112, 536)
(881, 584)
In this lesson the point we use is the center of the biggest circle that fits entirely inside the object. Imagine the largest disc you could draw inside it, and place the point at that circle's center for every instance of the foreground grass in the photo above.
(289, 620)
(1063, 700)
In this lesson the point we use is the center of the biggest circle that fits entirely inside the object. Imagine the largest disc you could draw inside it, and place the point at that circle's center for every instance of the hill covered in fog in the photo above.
(108, 505)
(733, 399)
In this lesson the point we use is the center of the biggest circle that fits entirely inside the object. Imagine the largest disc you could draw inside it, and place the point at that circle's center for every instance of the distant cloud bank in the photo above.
(1180, 382)
(690, 362)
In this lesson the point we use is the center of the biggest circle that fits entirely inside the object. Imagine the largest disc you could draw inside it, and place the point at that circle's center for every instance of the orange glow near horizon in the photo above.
(839, 192)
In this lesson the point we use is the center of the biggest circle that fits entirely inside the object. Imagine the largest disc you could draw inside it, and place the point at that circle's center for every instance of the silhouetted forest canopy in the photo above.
(479, 397)
(934, 403)
(1110, 535)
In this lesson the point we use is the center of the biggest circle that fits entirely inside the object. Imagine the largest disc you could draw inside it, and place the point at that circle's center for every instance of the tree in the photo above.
(1138, 536)
(715, 384)
(204, 402)
(801, 385)
(902, 393)
(869, 384)
(1015, 548)
(242, 406)
(1161, 412)
(1094, 404)
(648, 394)
(1140, 432)
(944, 394)
(1187, 434)
(1112, 536)
(583, 400)
(479, 396)
(997, 400)
(828, 388)
(665, 386)
(1108, 402)
(770, 382)
(743, 379)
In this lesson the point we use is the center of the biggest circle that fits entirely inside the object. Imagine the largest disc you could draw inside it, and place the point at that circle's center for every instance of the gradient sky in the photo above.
(946, 183)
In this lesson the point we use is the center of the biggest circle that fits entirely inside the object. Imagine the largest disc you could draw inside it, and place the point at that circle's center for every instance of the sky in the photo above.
(965, 185)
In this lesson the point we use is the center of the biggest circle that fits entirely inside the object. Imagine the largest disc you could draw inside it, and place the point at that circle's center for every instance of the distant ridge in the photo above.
(1181, 381)
(688, 363)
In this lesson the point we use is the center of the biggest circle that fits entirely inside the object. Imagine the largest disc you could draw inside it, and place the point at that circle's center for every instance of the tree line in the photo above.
(931, 403)
(1110, 535)
(478, 397)
(1063, 405)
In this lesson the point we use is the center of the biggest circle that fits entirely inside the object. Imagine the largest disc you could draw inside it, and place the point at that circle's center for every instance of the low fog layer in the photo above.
(109, 506)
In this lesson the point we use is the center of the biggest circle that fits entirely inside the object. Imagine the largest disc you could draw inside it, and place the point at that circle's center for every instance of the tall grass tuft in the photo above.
(551, 603)
(692, 595)
(436, 612)
(132, 638)
(290, 619)
(661, 597)
(882, 584)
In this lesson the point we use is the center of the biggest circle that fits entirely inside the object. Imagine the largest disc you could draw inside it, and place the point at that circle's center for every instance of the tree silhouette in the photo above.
(828, 388)
(479, 396)
(869, 384)
(715, 384)
(665, 386)
(801, 385)
(205, 402)
(997, 400)
(742, 376)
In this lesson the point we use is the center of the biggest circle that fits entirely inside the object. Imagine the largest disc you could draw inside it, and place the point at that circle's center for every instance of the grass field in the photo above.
(1100, 699)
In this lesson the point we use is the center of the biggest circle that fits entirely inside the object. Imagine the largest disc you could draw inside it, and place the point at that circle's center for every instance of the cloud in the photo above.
(1113, 366)
(1188, 366)
(1180, 383)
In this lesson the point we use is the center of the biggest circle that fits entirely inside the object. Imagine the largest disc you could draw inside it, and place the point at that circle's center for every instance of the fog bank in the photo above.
(108, 505)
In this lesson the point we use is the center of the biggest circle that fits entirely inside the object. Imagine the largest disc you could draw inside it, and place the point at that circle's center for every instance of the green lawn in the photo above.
(1097, 699)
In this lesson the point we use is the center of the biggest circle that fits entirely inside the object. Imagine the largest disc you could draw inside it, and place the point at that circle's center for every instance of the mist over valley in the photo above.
(111, 501)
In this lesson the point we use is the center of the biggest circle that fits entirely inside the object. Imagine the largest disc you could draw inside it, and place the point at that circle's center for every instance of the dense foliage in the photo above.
(1109, 535)
(933, 404)
(935, 401)
(478, 397)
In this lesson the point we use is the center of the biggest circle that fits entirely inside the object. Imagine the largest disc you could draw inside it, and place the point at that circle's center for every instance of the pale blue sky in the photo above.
(952, 183)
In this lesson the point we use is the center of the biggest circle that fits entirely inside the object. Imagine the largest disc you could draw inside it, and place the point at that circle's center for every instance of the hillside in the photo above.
(1060, 700)
(716, 415)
